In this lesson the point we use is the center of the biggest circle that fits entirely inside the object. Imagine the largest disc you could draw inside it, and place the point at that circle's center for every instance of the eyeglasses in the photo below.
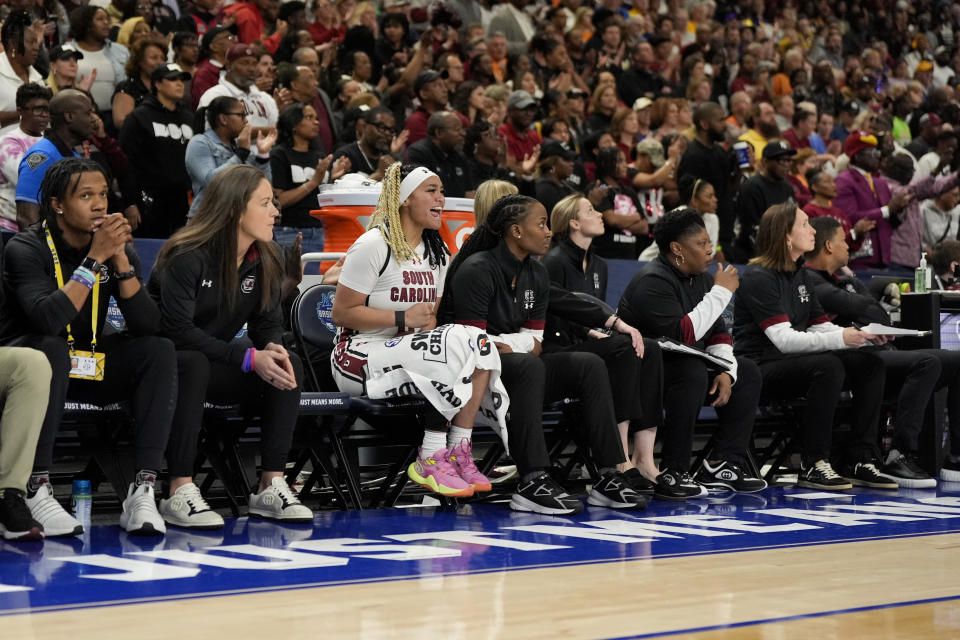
(382, 128)
(235, 113)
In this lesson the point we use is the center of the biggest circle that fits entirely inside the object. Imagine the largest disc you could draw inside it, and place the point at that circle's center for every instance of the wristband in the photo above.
(399, 317)
(612, 324)
(81, 280)
(86, 273)
(247, 365)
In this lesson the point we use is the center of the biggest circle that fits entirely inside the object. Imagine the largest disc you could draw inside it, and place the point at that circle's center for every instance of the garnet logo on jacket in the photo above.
(803, 293)
(247, 285)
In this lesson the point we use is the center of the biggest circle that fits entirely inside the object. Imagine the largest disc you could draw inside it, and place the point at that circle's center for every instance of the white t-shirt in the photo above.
(106, 81)
(261, 108)
(395, 287)
(9, 83)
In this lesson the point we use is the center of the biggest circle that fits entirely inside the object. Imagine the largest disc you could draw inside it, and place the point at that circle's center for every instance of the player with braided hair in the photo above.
(496, 285)
(389, 345)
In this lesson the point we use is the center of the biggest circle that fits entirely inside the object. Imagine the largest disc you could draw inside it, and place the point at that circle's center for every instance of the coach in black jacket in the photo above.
(675, 297)
(917, 374)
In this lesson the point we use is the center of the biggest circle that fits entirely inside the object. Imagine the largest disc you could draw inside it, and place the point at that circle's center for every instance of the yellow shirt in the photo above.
(756, 140)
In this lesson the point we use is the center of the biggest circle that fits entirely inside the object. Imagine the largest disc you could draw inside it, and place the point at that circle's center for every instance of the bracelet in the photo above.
(400, 318)
(81, 280)
(612, 324)
(86, 273)
(247, 365)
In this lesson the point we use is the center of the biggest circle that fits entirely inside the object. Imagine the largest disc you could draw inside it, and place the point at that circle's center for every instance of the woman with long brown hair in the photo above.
(779, 324)
(219, 272)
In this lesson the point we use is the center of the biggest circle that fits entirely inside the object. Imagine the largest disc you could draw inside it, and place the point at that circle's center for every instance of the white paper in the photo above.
(878, 329)
(676, 347)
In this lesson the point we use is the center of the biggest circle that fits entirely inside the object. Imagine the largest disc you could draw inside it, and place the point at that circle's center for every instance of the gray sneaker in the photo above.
(187, 508)
(277, 502)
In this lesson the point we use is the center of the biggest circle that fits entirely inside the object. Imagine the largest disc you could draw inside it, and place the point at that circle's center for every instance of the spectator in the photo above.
(937, 162)
(200, 16)
(154, 138)
(372, 152)
(235, 219)
(845, 119)
(20, 46)
(238, 82)
(638, 81)
(511, 24)
(762, 123)
(941, 219)
(251, 26)
(784, 109)
(90, 27)
(468, 100)
(522, 141)
(33, 104)
(327, 26)
(79, 237)
(213, 57)
(70, 124)
(186, 50)
(297, 171)
(63, 71)
(907, 244)
(823, 189)
(804, 125)
(740, 107)
(861, 194)
(943, 262)
(625, 228)
(133, 30)
(707, 160)
(145, 56)
(228, 140)
(760, 192)
(805, 160)
(779, 323)
(302, 84)
(603, 105)
(440, 152)
(929, 130)
(432, 92)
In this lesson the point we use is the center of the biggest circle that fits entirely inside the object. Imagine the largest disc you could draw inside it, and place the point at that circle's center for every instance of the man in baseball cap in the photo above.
(767, 188)
(432, 92)
(239, 82)
(521, 140)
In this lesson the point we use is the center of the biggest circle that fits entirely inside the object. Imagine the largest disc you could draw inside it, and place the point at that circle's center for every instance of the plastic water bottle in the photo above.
(81, 502)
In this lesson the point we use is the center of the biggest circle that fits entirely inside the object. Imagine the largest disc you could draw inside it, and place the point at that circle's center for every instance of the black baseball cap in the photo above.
(168, 72)
(777, 149)
(59, 53)
(552, 148)
(424, 78)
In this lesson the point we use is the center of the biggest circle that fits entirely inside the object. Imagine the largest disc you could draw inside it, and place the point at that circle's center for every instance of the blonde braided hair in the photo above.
(386, 217)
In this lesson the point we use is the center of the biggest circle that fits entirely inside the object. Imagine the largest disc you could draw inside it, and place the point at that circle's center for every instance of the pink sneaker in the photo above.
(439, 474)
(462, 458)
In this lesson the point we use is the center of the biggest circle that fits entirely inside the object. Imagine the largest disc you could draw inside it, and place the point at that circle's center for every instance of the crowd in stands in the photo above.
(803, 138)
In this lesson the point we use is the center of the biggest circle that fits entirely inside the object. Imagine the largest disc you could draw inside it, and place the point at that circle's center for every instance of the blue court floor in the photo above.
(105, 566)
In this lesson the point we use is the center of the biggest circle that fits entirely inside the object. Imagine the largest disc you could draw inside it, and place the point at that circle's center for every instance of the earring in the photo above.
(518, 234)
(59, 212)
(679, 260)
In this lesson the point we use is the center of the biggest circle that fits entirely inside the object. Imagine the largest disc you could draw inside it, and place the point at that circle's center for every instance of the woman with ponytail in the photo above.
(495, 284)
(388, 343)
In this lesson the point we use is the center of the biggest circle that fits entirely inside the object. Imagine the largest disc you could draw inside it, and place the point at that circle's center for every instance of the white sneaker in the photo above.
(140, 516)
(47, 511)
(187, 508)
(277, 502)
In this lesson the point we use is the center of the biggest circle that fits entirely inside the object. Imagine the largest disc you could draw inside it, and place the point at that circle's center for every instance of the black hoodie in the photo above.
(155, 141)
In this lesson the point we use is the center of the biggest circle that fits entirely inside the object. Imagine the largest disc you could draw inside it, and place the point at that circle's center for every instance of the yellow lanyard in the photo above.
(96, 292)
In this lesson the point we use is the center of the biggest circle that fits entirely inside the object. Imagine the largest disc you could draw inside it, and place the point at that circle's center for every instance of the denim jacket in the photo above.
(207, 155)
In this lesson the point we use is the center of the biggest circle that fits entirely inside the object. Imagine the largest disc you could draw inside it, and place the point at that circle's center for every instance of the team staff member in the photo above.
(634, 365)
(384, 309)
(495, 284)
(219, 272)
(779, 323)
(915, 373)
(59, 277)
(674, 296)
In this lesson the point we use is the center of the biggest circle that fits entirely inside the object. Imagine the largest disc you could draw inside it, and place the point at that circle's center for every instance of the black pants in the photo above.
(918, 374)
(142, 370)
(687, 380)
(219, 383)
(636, 385)
(531, 380)
(820, 378)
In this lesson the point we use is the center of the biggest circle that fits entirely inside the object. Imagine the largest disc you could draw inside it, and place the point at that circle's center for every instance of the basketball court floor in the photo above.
(785, 563)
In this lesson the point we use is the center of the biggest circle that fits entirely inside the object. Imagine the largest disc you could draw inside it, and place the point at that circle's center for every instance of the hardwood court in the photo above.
(878, 586)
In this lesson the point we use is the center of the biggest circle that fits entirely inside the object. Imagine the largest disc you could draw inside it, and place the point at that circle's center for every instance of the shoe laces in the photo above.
(871, 467)
(462, 456)
(284, 491)
(443, 459)
(823, 468)
(190, 494)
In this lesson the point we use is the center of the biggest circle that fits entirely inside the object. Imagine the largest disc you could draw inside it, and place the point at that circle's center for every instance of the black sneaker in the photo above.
(866, 474)
(822, 476)
(16, 523)
(615, 492)
(638, 482)
(950, 471)
(677, 485)
(728, 476)
(907, 472)
(544, 495)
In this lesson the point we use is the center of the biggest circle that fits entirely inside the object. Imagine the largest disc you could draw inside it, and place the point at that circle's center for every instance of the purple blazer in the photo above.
(908, 237)
(857, 200)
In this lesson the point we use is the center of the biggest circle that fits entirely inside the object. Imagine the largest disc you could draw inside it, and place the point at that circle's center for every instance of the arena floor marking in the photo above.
(751, 594)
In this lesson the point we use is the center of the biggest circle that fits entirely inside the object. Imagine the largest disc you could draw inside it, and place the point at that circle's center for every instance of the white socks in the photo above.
(433, 441)
(456, 434)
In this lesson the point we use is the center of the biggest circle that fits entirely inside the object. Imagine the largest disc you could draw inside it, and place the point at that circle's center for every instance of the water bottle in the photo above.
(81, 502)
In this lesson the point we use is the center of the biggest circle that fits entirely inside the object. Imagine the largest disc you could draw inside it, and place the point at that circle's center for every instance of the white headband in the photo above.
(413, 180)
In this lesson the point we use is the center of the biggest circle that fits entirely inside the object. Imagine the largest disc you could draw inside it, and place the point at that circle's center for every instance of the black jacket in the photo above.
(569, 318)
(659, 298)
(155, 141)
(756, 195)
(35, 305)
(187, 288)
(496, 292)
(847, 299)
(718, 167)
(452, 167)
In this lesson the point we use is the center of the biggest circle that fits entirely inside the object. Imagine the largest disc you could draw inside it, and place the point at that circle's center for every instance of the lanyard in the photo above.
(96, 292)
